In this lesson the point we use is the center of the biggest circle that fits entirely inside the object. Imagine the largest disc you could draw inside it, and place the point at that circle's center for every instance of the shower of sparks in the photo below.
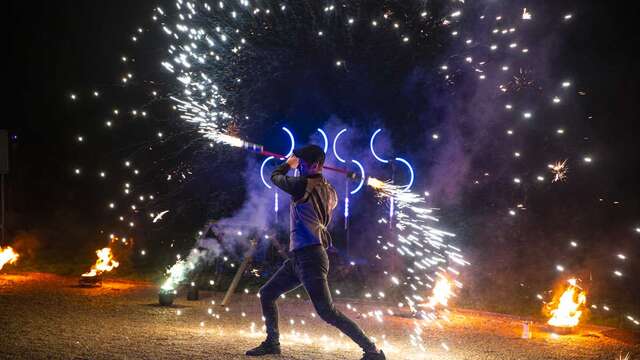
(178, 272)
(396, 192)
(432, 261)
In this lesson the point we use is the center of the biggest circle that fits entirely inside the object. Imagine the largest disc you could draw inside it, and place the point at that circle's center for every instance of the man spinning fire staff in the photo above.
(313, 200)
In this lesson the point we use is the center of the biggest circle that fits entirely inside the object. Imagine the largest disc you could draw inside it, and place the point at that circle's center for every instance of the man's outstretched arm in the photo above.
(295, 186)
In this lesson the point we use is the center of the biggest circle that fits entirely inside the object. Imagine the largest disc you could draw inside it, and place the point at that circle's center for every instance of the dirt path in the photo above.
(47, 316)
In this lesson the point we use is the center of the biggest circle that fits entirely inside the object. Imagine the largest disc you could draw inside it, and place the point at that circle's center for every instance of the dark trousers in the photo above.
(308, 266)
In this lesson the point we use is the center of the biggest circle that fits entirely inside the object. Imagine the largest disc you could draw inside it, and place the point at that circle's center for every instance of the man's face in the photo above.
(307, 169)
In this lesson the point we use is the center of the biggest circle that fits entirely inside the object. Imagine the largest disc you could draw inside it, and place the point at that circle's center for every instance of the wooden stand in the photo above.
(236, 279)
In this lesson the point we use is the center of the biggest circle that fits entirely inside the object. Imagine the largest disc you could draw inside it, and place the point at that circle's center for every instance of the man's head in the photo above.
(311, 159)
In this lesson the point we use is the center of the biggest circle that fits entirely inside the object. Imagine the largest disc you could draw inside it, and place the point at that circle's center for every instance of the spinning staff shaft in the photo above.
(259, 149)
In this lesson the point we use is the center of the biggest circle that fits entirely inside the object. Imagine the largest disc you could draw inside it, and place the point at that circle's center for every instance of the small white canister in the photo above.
(526, 329)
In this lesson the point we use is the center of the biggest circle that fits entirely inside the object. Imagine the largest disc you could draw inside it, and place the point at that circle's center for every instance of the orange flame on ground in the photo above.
(442, 291)
(7, 255)
(104, 263)
(569, 307)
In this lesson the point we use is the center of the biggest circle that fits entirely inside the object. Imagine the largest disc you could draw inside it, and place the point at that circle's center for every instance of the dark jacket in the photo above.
(313, 200)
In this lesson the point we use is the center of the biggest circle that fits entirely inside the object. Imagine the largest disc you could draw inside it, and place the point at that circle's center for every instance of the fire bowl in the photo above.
(90, 281)
(166, 297)
(562, 330)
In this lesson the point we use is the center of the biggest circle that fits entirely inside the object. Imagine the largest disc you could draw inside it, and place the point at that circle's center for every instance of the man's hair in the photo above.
(311, 154)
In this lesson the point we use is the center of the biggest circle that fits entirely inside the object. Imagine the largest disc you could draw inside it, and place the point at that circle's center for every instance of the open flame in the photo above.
(7, 256)
(442, 291)
(104, 263)
(569, 307)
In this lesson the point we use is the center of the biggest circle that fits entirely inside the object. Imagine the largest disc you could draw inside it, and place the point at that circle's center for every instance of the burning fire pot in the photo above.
(166, 297)
(563, 330)
(90, 281)
(567, 308)
(105, 263)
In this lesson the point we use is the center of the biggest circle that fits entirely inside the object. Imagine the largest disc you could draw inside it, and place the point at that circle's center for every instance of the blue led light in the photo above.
(361, 178)
(372, 150)
(335, 141)
(326, 140)
(346, 206)
(275, 203)
(408, 186)
(293, 141)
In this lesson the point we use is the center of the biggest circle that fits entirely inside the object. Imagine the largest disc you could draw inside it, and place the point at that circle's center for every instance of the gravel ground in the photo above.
(47, 316)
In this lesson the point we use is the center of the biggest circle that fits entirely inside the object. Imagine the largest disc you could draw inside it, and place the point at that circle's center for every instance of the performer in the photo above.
(313, 200)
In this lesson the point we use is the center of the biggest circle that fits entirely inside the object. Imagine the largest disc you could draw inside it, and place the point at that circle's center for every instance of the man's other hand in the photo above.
(293, 162)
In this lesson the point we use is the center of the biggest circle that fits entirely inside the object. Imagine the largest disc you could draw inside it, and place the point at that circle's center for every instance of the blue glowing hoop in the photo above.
(293, 141)
(373, 151)
(262, 171)
(326, 140)
(335, 141)
(408, 186)
(361, 178)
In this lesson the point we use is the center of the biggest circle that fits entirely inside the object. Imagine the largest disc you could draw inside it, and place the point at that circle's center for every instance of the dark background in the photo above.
(59, 47)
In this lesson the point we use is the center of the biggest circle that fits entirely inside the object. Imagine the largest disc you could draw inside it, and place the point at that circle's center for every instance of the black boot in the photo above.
(377, 355)
(266, 348)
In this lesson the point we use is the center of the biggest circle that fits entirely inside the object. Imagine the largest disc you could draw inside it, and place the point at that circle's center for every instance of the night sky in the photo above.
(63, 46)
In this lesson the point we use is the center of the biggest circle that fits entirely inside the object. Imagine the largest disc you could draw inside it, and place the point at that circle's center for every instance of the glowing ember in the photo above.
(559, 170)
(7, 256)
(104, 263)
(569, 307)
